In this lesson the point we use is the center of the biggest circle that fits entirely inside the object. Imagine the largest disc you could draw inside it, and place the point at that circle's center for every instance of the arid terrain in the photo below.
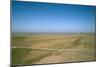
(52, 48)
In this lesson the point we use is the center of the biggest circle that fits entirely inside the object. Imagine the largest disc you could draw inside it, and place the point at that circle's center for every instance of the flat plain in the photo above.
(46, 48)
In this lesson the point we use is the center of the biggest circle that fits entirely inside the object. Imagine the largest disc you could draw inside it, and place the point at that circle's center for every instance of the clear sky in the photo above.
(46, 17)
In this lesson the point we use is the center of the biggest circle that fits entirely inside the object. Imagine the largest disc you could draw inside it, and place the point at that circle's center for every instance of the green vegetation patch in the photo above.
(26, 56)
(18, 38)
(18, 54)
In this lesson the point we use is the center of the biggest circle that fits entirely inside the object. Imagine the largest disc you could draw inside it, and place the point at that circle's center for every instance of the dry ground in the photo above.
(53, 48)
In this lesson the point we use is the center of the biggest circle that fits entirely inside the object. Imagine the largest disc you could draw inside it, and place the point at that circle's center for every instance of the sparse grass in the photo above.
(89, 42)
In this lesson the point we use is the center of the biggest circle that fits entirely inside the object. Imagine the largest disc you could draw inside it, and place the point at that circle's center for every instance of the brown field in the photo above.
(52, 48)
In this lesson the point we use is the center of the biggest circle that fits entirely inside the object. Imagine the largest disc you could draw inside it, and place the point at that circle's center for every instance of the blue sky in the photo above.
(46, 17)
